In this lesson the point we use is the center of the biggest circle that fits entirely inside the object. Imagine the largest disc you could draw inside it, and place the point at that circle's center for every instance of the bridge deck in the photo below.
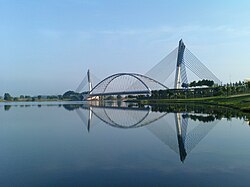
(120, 93)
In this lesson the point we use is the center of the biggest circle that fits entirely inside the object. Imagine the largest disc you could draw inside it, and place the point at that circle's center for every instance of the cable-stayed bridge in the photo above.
(175, 130)
(178, 68)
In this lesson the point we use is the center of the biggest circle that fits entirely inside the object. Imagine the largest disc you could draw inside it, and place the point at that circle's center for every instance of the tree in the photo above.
(184, 85)
(7, 97)
(71, 95)
(60, 97)
(203, 82)
(119, 97)
(209, 83)
(192, 84)
(110, 97)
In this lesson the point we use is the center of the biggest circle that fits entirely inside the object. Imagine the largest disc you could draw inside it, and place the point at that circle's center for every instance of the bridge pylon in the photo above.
(180, 61)
(88, 96)
(179, 65)
(89, 81)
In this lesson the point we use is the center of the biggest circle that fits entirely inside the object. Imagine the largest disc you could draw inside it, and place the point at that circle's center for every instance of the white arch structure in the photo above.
(126, 84)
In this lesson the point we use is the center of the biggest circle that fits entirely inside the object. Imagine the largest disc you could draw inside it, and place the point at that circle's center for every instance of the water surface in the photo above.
(62, 144)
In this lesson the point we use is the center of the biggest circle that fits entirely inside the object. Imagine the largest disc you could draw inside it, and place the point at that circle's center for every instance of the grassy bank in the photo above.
(241, 102)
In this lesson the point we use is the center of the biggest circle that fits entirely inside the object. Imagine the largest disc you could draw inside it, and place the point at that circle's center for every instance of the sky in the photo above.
(47, 46)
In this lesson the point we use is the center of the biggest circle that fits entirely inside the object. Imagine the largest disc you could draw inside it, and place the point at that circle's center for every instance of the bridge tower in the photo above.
(89, 81)
(181, 48)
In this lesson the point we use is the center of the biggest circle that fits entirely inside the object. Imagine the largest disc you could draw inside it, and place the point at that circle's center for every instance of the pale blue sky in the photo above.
(48, 45)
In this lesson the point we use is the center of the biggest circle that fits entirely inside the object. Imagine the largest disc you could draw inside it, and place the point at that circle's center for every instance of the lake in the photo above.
(122, 144)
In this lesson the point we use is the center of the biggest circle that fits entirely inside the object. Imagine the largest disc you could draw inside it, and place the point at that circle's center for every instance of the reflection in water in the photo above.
(123, 144)
(173, 129)
(180, 127)
(7, 107)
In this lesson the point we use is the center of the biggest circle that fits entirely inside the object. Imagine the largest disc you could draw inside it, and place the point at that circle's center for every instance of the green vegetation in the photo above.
(241, 102)
(72, 96)
(214, 112)
(203, 82)
(234, 95)
(8, 98)
(200, 92)
(67, 96)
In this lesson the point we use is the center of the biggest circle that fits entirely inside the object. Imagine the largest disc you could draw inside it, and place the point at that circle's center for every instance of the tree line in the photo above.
(8, 97)
(195, 90)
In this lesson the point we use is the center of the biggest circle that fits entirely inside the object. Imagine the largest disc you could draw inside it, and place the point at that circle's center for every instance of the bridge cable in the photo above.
(202, 66)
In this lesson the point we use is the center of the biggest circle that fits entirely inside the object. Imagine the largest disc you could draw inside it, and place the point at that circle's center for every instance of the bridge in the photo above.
(178, 68)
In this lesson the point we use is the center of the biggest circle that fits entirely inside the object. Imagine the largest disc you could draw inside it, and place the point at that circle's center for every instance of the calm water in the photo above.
(83, 145)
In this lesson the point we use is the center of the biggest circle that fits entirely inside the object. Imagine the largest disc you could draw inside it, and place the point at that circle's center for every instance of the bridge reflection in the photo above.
(181, 131)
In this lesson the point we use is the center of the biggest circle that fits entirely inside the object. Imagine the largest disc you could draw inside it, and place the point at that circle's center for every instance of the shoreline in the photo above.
(239, 102)
(13, 103)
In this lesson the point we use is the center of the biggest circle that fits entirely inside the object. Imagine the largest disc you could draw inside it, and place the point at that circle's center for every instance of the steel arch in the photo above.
(137, 76)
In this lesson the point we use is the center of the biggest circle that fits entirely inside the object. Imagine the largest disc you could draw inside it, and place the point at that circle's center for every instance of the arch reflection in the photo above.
(180, 131)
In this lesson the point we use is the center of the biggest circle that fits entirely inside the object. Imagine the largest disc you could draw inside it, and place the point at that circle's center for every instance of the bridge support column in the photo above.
(181, 48)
